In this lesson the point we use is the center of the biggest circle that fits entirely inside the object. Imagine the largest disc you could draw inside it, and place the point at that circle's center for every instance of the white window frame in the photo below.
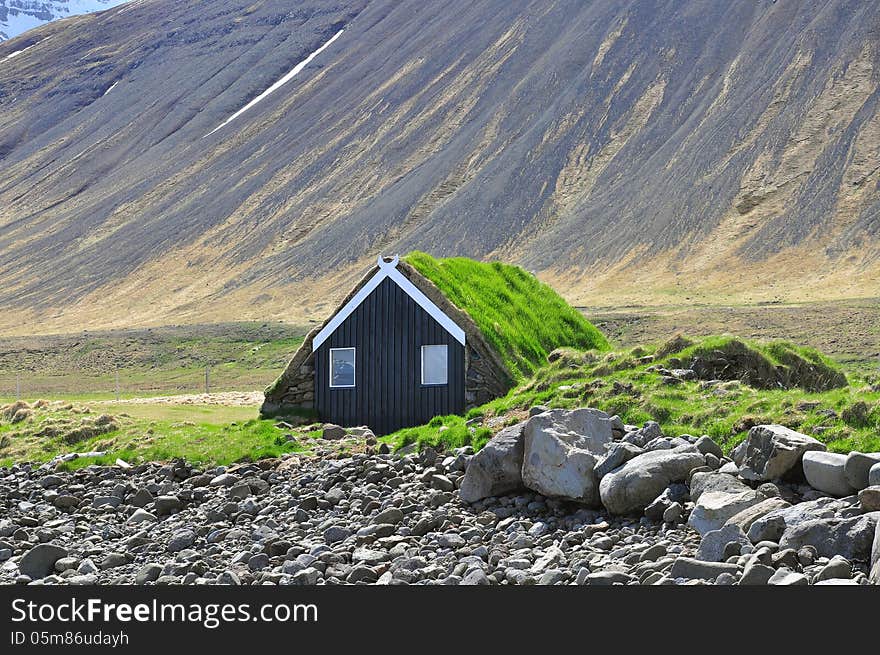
(353, 365)
(435, 345)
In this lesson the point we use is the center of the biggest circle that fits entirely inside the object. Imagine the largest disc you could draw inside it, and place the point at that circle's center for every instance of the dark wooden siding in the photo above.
(388, 330)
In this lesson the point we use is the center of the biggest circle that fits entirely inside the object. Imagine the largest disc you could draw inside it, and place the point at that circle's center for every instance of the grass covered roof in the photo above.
(523, 318)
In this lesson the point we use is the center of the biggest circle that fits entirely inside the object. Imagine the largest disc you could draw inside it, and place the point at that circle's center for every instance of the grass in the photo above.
(626, 383)
(160, 361)
(199, 434)
(520, 316)
(442, 431)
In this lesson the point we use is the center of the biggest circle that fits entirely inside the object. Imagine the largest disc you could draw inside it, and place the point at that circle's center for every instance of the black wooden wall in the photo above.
(388, 330)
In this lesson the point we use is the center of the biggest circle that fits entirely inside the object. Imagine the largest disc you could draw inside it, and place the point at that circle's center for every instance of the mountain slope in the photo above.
(18, 16)
(625, 151)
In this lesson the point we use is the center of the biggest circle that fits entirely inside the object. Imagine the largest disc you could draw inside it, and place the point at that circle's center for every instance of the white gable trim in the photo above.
(389, 270)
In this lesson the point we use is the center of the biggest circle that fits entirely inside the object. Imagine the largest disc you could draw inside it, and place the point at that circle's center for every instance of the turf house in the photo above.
(420, 337)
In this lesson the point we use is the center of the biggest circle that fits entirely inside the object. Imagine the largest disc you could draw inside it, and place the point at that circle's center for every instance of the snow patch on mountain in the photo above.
(19, 16)
(278, 84)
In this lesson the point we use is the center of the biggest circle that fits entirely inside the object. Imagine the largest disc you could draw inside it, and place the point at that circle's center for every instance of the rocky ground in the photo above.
(389, 519)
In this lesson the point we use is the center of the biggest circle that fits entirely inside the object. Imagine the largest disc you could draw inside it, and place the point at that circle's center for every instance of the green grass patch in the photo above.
(629, 384)
(523, 318)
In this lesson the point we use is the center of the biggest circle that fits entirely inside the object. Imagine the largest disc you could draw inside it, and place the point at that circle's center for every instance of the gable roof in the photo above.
(388, 270)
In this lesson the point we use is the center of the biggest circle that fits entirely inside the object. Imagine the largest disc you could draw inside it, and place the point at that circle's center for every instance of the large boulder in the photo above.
(857, 468)
(773, 451)
(715, 508)
(497, 468)
(560, 451)
(40, 560)
(705, 481)
(718, 545)
(771, 526)
(874, 475)
(618, 453)
(825, 472)
(851, 538)
(875, 556)
(639, 481)
(745, 518)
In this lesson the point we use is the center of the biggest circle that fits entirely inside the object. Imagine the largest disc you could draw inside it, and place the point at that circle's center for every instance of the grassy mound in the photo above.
(643, 384)
(520, 316)
(773, 365)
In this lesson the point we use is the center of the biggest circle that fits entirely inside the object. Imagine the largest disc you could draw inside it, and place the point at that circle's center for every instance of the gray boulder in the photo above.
(40, 560)
(825, 472)
(715, 508)
(718, 545)
(497, 468)
(706, 445)
(869, 498)
(618, 454)
(705, 481)
(771, 526)
(694, 569)
(851, 538)
(857, 468)
(874, 475)
(639, 481)
(772, 451)
(875, 556)
(745, 518)
(560, 451)
(787, 577)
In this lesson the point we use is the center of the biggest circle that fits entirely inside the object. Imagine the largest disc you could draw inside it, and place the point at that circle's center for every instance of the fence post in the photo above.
(207, 383)
(18, 385)
(117, 383)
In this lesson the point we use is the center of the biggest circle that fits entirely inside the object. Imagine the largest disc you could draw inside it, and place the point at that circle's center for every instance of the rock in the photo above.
(112, 561)
(869, 498)
(715, 508)
(618, 453)
(825, 472)
(858, 467)
(838, 567)
(141, 498)
(333, 432)
(787, 577)
(559, 461)
(335, 534)
(756, 573)
(167, 504)
(673, 513)
(475, 577)
(40, 560)
(745, 518)
(718, 545)
(875, 556)
(706, 446)
(224, 480)
(874, 476)
(392, 515)
(851, 538)
(705, 481)
(181, 540)
(362, 573)
(639, 481)
(141, 516)
(148, 573)
(694, 569)
(497, 468)
(771, 526)
(442, 483)
(608, 578)
(772, 451)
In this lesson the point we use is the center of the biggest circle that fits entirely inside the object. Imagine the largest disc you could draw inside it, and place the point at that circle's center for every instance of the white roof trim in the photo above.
(389, 270)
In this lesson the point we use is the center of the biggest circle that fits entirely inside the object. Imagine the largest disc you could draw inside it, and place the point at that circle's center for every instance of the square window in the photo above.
(434, 365)
(341, 367)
